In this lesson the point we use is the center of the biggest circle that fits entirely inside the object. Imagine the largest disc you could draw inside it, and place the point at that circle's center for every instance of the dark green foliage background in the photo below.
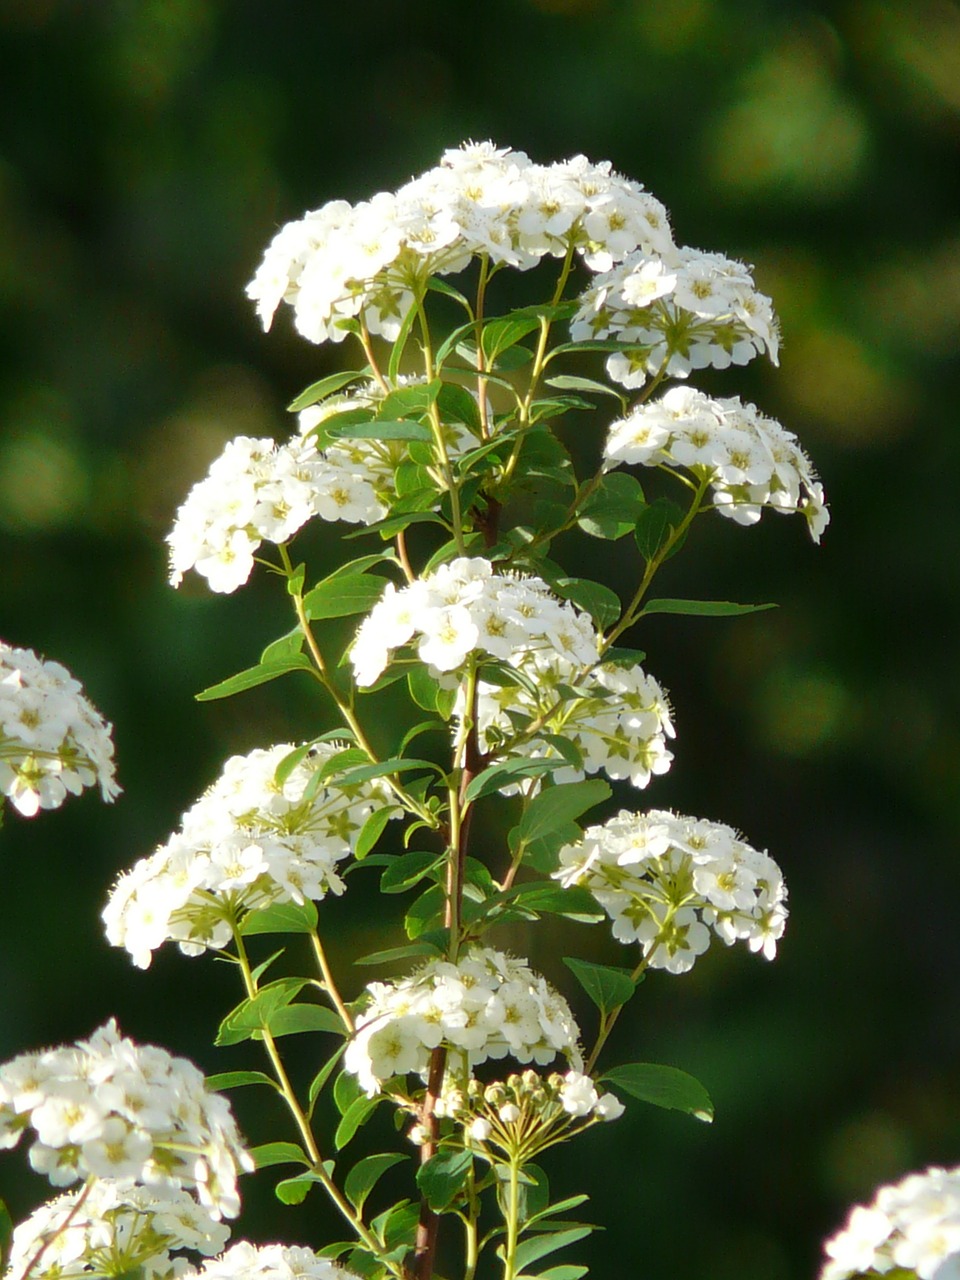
(148, 150)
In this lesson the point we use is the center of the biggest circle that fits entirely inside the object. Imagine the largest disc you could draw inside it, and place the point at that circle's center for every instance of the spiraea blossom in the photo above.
(913, 1224)
(683, 309)
(464, 608)
(751, 462)
(486, 1005)
(249, 841)
(113, 1229)
(245, 1261)
(255, 491)
(669, 882)
(109, 1108)
(343, 264)
(53, 742)
(617, 719)
(355, 478)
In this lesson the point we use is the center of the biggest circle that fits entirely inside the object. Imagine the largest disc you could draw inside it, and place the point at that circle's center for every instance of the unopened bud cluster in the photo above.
(53, 742)
(248, 842)
(109, 1108)
(669, 882)
(486, 1005)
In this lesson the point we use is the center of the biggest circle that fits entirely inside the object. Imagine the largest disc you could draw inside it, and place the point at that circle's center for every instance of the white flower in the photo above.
(248, 842)
(52, 740)
(245, 1261)
(185, 1137)
(666, 881)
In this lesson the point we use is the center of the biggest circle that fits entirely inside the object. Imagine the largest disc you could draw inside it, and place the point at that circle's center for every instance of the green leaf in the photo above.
(383, 769)
(6, 1236)
(290, 762)
(296, 1018)
(407, 402)
(411, 949)
(456, 404)
(541, 854)
(346, 1091)
(443, 1176)
(272, 1153)
(408, 869)
(500, 335)
(602, 604)
(540, 1246)
(357, 1114)
(619, 657)
(654, 526)
(343, 596)
(424, 911)
(568, 1271)
(323, 1075)
(280, 917)
(507, 771)
(295, 1190)
(664, 1086)
(555, 807)
(576, 902)
(423, 688)
(607, 987)
(283, 649)
(561, 1206)
(371, 831)
(234, 1079)
(568, 382)
(318, 391)
(253, 676)
(365, 1175)
(613, 508)
(703, 608)
(253, 1015)
(379, 430)
(441, 286)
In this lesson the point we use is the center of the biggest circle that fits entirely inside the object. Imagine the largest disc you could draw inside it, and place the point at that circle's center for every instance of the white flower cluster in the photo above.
(463, 608)
(913, 1225)
(344, 261)
(249, 841)
(618, 720)
(114, 1229)
(256, 491)
(356, 477)
(750, 461)
(109, 1108)
(487, 1005)
(52, 740)
(272, 1262)
(681, 309)
(667, 880)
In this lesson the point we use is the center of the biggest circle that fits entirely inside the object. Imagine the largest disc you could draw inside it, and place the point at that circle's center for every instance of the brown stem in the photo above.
(426, 1245)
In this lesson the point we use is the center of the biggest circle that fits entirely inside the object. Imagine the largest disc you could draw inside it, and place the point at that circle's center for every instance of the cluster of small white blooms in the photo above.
(486, 1005)
(344, 261)
(115, 1229)
(245, 1261)
(913, 1224)
(249, 841)
(256, 491)
(683, 309)
(666, 881)
(463, 607)
(109, 1108)
(355, 478)
(52, 740)
(619, 721)
(750, 461)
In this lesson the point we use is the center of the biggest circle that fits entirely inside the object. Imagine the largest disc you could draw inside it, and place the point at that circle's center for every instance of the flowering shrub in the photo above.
(446, 448)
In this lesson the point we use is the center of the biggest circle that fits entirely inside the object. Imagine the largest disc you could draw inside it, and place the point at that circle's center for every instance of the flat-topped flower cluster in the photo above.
(53, 742)
(112, 1229)
(464, 608)
(248, 842)
(109, 1108)
(486, 1005)
(913, 1225)
(750, 461)
(244, 1261)
(343, 262)
(669, 881)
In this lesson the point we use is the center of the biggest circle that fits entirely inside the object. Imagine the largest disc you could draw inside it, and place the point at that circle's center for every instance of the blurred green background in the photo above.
(148, 151)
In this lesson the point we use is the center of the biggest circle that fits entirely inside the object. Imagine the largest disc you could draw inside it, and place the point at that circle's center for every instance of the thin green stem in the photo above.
(367, 344)
(329, 985)
(513, 1222)
(609, 1021)
(449, 480)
